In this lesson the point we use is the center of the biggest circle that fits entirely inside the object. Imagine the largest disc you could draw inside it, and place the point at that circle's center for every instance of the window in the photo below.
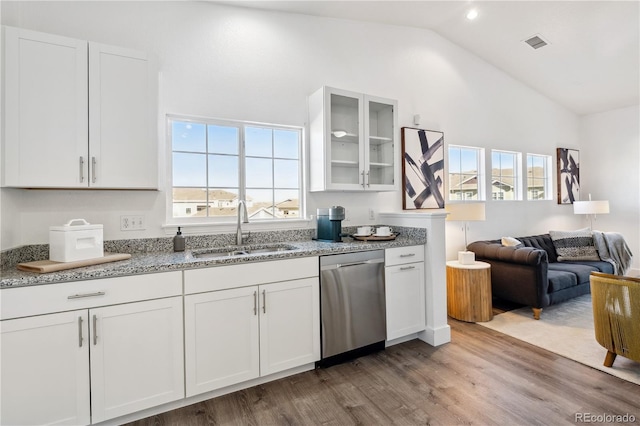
(218, 163)
(466, 173)
(505, 175)
(538, 177)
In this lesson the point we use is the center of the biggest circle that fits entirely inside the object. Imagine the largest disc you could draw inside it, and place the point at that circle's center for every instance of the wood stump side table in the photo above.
(469, 291)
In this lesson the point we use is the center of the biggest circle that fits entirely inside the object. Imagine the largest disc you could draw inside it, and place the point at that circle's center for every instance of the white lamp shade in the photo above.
(465, 211)
(591, 207)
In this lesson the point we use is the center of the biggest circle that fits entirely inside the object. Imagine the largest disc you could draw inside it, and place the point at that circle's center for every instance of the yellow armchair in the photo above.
(616, 315)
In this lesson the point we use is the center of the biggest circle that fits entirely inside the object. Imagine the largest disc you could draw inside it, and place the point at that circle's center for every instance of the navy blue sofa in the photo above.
(530, 274)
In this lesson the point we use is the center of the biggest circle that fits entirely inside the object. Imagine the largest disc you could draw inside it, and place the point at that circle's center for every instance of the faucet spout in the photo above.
(243, 217)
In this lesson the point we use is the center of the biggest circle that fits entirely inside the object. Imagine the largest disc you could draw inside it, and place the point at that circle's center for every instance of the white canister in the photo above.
(75, 240)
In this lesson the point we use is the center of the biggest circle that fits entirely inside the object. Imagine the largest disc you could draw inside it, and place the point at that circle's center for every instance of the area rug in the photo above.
(567, 330)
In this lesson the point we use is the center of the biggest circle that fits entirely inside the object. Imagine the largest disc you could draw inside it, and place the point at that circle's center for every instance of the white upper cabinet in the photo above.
(352, 138)
(45, 111)
(77, 114)
(122, 142)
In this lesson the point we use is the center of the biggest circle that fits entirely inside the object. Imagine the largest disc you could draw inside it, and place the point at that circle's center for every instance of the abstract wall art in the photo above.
(422, 169)
(568, 175)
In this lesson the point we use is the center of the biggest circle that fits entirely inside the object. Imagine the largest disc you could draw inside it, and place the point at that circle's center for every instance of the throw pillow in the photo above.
(574, 245)
(510, 242)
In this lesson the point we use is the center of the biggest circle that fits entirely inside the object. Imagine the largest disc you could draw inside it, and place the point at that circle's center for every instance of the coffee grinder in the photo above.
(330, 224)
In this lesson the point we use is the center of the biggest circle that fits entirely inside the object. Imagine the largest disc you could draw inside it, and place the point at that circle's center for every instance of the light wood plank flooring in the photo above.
(482, 377)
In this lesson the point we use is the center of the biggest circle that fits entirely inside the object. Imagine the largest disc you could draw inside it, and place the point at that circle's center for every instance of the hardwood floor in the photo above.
(482, 377)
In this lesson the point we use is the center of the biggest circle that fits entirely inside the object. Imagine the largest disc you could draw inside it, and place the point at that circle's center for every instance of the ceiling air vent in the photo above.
(536, 42)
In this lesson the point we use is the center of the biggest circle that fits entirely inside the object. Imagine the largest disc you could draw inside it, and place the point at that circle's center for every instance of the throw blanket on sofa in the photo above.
(613, 248)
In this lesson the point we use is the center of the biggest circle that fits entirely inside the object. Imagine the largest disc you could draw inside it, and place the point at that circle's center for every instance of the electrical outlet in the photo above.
(131, 223)
(372, 214)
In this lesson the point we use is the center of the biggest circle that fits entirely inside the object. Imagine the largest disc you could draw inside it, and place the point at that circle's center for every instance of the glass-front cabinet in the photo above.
(352, 138)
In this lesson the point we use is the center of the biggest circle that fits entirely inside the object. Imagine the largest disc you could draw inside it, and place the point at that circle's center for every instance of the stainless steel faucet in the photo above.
(242, 212)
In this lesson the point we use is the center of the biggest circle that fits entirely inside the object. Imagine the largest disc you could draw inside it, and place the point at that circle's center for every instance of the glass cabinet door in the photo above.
(346, 159)
(380, 126)
(352, 141)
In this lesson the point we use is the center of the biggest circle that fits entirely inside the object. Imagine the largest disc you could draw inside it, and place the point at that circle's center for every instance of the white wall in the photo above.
(227, 62)
(609, 170)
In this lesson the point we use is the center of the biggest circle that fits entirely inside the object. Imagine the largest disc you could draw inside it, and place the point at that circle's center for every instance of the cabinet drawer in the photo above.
(44, 299)
(242, 275)
(402, 255)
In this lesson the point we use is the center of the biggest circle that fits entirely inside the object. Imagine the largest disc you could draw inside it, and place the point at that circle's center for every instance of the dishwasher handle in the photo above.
(344, 265)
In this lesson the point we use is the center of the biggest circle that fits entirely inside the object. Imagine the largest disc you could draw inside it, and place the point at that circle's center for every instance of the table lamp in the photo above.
(466, 212)
(592, 208)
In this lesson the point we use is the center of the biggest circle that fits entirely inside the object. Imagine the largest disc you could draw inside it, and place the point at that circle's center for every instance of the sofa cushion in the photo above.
(580, 270)
(574, 245)
(600, 265)
(542, 242)
(560, 280)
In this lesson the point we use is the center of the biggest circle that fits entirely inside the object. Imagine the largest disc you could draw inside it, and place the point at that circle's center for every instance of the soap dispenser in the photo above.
(178, 241)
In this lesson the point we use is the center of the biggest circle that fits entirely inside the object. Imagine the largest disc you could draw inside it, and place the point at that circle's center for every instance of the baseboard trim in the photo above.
(203, 397)
(436, 336)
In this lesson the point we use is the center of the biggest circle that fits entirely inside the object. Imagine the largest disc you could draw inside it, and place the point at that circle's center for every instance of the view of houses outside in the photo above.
(466, 183)
(200, 202)
(464, 186)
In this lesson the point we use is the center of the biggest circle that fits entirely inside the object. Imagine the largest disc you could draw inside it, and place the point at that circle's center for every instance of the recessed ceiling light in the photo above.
(472, 14)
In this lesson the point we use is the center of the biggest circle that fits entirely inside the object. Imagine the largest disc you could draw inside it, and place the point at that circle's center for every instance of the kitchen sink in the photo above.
(213, 253)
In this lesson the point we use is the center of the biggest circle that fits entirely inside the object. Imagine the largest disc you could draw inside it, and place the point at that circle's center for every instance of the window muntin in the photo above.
(539, 177)
(505, 175)
(466, 173)
(218, 163)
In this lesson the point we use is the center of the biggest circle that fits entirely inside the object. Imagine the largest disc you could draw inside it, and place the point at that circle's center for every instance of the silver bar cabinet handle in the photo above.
(95, 330)
(264, 301)
(81, 295)
(81, 169)
(255, 303)
(368, 183)
(93, 169)
(408, 255)
(80, 332)
(406, 268)
(362, 174)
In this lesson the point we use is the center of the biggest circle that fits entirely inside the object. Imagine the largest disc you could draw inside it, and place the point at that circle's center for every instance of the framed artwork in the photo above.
(568, 175)
(422, 169)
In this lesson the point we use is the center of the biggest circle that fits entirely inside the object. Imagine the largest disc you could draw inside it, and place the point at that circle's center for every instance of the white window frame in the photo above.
(517, 175)
(201, 224)
(548, 177)
(480, 174)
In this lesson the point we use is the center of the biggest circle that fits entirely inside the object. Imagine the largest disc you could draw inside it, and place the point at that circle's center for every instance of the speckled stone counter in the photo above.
(154, 255)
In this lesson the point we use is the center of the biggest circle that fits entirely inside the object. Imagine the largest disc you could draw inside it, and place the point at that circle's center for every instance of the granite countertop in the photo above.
(163, 261)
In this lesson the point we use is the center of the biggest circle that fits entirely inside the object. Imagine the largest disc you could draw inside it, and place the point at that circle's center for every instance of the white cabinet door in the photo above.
(122, 142)
(45, 369)
(289, 324)
(353, 141)
(136, 356)
(405, 299)
(221, 339)
(45, 110)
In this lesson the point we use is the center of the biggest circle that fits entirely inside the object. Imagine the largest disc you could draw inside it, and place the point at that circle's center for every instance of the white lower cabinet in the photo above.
(289, 325)
(45, 370)
(96, 362)
(136, 357)
(221, 338)
(405, 291)
(238, 334)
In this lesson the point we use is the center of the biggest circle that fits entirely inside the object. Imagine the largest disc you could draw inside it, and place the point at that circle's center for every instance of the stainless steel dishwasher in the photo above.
(352, 304)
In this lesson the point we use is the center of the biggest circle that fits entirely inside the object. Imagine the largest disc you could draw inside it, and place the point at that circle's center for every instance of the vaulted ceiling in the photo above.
(591, 63)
